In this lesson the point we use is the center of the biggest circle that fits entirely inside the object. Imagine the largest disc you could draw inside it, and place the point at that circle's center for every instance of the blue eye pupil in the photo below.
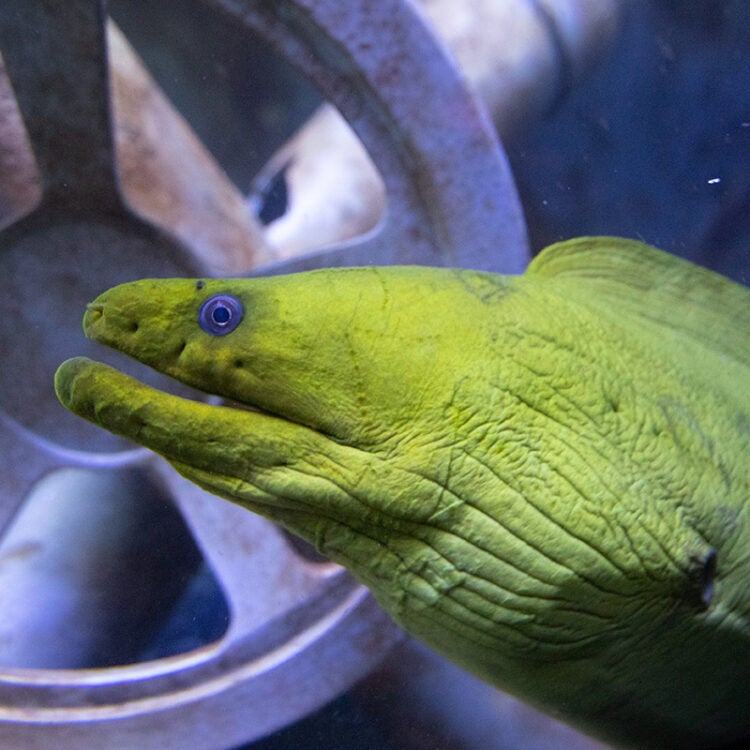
(220, 314)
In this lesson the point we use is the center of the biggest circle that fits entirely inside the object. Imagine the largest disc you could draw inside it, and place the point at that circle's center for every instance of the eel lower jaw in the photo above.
(216, 438)
(272, 466)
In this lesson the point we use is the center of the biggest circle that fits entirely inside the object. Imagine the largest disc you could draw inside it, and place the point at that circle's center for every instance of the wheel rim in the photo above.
(300, 631)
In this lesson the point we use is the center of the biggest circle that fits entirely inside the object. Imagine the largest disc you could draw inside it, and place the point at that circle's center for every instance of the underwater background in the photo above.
(653, 143)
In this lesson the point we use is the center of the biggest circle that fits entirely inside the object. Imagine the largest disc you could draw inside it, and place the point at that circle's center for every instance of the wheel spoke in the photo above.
(294, 622)
(451, 196)
(23, 464)
(56, 58)
(27, 458)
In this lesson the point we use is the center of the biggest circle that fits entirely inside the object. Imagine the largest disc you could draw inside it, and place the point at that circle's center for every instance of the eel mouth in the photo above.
(113, 400)
(84, 386)
(274, 466)
(166, 423)
(203, 435)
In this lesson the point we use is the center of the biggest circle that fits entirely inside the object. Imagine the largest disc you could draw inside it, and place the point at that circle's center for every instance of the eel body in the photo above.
(544, 477)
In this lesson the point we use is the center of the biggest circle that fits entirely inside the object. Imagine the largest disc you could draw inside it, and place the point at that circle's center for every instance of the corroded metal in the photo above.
(520, 56)
(450, 195)
(300, 631)
(61, 84)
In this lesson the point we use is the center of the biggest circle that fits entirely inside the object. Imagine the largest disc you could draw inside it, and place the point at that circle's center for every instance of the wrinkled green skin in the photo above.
(530, 475)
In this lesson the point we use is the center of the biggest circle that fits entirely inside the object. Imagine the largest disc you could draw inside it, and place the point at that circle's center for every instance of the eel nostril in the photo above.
(95, 311)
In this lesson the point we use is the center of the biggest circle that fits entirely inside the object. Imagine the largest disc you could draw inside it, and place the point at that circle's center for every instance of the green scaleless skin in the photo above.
(544, 477)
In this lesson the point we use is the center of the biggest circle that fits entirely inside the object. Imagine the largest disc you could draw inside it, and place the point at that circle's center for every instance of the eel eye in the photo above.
(220, 314)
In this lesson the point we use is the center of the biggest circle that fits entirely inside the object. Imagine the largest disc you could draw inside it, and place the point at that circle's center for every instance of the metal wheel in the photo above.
(99, 537)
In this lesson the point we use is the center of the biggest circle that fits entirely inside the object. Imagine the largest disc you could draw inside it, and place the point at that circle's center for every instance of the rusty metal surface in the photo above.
(299, 631)
(289, 620)
(62, 79)
(169, 177)
(450, 195)
(521, 56)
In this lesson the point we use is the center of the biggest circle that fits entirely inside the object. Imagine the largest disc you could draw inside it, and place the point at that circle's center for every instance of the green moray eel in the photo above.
(544, 477)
